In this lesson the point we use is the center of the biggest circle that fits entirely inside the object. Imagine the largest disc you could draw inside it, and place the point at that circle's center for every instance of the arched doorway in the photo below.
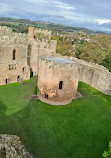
(7, 81)
(31, 73)
(18, 78)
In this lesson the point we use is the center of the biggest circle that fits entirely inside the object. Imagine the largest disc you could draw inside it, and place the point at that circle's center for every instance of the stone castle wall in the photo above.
(13, 70)
(45, 32)
(33, 56)
(49, 77)
(28, 50)
(97, 76)
(5, 31)
(33, 33)
(48, 48)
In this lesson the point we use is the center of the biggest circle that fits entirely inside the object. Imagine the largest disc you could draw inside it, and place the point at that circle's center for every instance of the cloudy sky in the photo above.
(92, 14)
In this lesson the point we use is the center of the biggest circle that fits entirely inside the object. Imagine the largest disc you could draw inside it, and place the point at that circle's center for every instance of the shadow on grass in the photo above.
(3, 109)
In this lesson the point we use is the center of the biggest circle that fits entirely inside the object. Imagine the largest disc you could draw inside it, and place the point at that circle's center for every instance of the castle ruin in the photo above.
(19, 54)
(25, 55)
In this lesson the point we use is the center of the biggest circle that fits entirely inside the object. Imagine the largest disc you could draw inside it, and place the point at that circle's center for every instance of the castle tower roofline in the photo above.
(59, 60)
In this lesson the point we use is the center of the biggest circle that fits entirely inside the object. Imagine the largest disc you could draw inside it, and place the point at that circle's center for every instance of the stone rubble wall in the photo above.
(11, 147)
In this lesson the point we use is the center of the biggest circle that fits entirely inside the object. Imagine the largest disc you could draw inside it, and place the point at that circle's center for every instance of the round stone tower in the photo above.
(57, 80)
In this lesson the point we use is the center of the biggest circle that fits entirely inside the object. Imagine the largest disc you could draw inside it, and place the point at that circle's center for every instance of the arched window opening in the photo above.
(60, 84)
(14, 54)
(23, 70)
(7, 81)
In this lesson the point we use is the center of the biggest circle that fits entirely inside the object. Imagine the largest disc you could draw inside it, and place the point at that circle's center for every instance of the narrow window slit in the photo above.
(60, 84)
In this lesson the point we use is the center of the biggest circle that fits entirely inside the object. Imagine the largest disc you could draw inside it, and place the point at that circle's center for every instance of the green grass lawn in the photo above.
(81, 129)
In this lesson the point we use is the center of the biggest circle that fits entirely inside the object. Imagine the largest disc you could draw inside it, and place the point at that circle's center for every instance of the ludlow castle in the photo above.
(25, 55)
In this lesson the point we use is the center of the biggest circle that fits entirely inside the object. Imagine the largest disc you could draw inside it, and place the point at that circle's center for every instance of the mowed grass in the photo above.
(81, 129)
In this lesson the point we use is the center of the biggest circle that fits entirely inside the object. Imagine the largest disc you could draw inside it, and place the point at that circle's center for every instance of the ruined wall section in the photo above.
(33, 55)
(16, 69)
(46, 33)
(5, 31)
(34, 33)
(49, 77)
(97, 76)
(48, 48)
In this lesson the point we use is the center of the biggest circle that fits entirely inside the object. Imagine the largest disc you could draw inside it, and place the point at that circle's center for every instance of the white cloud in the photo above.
(102, 21)
(63, 5)
(39, 2)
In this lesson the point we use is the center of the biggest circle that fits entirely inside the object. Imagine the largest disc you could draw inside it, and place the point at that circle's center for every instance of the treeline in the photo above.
(43, 25)
(64, 45)
(98, 50)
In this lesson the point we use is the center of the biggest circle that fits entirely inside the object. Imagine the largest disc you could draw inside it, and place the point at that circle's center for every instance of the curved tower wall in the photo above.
(57, 82)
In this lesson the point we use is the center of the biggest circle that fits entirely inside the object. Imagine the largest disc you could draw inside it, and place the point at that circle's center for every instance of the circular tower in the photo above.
(57, 80)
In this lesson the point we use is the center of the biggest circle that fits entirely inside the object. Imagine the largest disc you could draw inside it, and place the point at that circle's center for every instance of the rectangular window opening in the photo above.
(60, 84)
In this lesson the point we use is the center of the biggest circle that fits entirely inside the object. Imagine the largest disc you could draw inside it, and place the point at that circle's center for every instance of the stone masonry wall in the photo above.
(48, 48)
(49, 77)
(97, 76)
(13, 70)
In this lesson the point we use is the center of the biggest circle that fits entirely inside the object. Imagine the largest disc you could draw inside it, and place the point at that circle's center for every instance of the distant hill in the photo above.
(16, 23)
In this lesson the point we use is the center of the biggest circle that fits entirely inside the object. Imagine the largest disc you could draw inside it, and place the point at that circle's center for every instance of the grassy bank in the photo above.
(81, 129)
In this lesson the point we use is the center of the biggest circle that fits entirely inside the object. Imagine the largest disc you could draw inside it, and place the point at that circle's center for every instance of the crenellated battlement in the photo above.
(13, 40)
(39, 33)
(5, 31)
(48, 44)
(45, 32)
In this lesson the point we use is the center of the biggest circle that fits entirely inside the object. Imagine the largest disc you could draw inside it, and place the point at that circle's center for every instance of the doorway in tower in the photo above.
(31, 73)
(18, 78)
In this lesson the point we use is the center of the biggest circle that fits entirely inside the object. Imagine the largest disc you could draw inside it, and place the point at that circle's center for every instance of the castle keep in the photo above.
(25, 55)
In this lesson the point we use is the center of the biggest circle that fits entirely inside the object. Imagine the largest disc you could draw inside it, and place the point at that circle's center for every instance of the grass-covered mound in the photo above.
(81, 129)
